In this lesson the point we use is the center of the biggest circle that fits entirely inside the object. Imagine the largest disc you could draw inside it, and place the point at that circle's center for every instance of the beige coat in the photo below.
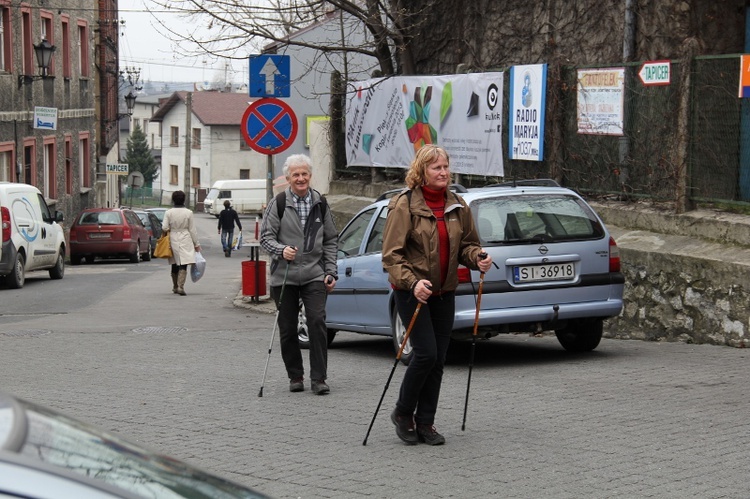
(182, 235)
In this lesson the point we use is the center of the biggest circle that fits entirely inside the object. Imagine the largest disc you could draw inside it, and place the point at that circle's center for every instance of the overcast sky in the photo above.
(144, 47)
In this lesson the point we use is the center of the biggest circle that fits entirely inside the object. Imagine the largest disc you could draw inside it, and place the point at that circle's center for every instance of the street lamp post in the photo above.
(130, 102)
(43, 53)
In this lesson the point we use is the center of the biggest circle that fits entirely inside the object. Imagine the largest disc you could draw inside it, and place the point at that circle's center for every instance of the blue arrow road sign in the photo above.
(269, 76)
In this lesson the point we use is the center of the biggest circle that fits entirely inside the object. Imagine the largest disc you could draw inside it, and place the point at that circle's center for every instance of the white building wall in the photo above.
(227, 158)
(311, 73)
(171, 155)
(219, 158)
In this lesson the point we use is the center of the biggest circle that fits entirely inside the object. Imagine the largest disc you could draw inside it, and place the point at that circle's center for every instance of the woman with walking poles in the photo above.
(429, 231)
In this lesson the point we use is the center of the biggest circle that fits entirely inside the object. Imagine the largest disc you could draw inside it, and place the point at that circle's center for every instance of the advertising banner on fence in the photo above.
(744, 76)
(388, 119)
(600, 101)
(528, 94)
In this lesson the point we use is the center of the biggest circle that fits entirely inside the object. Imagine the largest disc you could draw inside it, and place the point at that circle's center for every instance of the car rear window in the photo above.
(101, 218)
(535, 218)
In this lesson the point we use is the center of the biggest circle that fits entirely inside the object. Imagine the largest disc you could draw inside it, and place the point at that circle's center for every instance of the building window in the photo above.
(7, 171)
(84, 161)
(6, 42)
(68, 165)
(243, 145)
(173, 178)
(83, 48)
(50, 168)
(27, 45)
(174, 136)
(66, 46)
(49, 35)
(136, 123)
(195, 177)
(196, 142)
(244, 174)
(29, 159)
(145, 126)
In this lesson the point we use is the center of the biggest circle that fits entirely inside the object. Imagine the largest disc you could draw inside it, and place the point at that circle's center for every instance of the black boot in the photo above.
(404, 427)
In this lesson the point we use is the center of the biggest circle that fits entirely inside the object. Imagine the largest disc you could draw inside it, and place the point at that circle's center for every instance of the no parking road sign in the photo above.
(269, 126)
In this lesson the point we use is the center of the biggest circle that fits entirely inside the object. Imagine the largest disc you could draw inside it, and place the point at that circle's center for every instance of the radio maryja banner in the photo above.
(389, 119)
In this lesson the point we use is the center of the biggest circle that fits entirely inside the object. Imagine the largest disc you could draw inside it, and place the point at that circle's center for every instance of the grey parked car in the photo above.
(556, 268)
(45, 454)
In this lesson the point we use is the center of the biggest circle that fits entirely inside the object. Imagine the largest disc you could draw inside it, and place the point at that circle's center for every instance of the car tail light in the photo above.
(464, 275)
(126, 232)
(6, 223)
(614, 256)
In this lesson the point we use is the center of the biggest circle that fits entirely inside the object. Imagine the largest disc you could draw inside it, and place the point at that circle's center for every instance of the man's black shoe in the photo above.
(404, 427)
(429, 435)
(320, 387)
(297, 384)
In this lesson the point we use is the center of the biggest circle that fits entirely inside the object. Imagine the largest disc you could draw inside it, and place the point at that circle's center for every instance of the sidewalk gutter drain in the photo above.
(156, 330)
(26, 332)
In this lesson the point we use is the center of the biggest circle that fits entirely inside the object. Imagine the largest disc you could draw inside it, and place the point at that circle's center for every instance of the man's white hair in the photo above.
(297, 160)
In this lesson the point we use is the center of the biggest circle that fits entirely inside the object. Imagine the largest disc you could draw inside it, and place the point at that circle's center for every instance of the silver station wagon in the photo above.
(556, 269)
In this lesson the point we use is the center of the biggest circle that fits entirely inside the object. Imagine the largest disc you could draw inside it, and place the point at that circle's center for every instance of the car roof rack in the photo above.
(393, 192)
(530, 182)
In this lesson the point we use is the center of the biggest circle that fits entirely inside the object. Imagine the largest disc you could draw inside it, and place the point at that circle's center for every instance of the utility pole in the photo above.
(188, 132)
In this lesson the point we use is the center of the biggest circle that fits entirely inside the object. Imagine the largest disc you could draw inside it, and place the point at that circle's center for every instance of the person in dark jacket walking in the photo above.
(302, 241)
(227, 218)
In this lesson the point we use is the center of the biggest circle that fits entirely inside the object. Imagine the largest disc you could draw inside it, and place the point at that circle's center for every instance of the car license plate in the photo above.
(99, 235)
(541, 273)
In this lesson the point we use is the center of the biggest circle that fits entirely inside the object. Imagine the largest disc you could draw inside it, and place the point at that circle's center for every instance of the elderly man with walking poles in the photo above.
(299, 233)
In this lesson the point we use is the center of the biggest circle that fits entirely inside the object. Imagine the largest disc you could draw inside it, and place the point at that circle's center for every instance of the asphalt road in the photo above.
(112, 345)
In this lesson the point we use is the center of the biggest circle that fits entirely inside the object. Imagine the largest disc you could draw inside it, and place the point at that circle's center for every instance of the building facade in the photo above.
(48, 122)
(202, 142)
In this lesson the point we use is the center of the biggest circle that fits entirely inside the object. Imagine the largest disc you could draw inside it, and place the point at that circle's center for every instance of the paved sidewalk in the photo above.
(631, 419)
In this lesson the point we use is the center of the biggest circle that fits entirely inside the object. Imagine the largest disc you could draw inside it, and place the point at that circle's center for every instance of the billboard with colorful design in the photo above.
(388, 119)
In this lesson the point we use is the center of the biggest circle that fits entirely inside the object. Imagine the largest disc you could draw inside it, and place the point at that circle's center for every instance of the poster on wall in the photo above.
(601, 101)
(45, 118)
(528, 97)
(389, 119)
(744, 76)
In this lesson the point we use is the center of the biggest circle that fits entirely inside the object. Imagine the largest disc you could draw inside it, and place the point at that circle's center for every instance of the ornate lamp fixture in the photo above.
(43, 53)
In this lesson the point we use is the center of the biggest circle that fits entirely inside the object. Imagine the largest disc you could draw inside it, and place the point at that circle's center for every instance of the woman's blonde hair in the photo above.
(426, 155)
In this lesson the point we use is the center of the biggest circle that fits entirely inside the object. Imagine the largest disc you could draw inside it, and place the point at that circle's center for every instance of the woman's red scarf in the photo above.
(436, 202)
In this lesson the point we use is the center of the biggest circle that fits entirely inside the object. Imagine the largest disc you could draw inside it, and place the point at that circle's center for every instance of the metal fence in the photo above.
(689, 136)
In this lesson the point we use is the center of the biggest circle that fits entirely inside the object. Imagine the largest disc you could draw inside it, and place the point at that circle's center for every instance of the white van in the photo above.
(32, 238)
(247, 196)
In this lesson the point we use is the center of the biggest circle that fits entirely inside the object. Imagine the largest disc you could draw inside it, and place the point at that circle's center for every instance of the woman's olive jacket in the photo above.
(411, 245)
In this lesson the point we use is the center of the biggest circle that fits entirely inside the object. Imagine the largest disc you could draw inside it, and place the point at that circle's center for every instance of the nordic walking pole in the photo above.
(273, 333)
(395, 363)
(482, 256)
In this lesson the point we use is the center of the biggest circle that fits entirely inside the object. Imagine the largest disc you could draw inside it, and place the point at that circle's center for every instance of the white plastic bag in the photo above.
(237, 242)
(198, 268)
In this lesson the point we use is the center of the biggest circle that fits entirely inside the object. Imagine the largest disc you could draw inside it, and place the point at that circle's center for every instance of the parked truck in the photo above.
(247, 196)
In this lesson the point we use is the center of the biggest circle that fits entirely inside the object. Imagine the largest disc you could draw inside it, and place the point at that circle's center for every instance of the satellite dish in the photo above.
(135, 179)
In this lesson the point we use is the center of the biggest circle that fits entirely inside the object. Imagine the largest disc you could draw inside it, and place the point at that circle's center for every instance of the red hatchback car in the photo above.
(108, 233)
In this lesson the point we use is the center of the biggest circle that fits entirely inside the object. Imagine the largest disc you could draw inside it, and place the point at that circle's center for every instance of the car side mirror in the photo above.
(59, 216)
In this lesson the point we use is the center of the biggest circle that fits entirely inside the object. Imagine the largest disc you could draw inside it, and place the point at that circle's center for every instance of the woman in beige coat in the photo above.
(183, 238)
